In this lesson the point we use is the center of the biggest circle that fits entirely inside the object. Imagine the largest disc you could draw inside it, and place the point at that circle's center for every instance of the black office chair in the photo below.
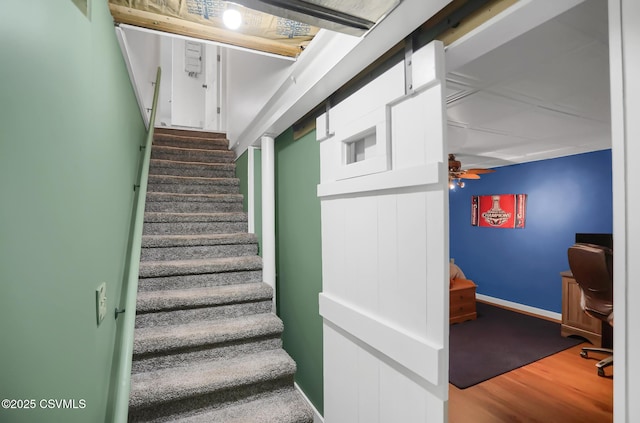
(592, 268)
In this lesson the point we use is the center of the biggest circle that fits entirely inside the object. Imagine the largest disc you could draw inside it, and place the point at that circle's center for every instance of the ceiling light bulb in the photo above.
(232, 18)
(451, 185)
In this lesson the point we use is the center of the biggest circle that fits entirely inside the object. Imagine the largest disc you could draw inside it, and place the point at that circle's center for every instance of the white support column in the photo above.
(251, 212)
(268, 214)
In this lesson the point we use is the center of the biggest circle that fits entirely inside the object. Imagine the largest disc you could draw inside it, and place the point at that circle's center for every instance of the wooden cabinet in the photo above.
(462, 301)
(574, 320)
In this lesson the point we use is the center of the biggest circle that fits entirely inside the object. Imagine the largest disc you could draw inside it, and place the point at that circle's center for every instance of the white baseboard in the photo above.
(317, 417)
(525, 308)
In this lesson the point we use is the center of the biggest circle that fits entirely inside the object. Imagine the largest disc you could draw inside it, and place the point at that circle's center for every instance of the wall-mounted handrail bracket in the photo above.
(119, 311)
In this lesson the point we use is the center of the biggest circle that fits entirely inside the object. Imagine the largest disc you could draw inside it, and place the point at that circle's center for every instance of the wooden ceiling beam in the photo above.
(127, 15)
(474, 20)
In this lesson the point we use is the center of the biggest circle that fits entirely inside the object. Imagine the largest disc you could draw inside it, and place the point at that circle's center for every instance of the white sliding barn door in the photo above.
(384, 202)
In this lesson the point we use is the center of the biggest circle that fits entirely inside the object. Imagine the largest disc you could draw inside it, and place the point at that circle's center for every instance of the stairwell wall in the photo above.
(299, 257)
(242, 173)
(70, 131)
(298, 251)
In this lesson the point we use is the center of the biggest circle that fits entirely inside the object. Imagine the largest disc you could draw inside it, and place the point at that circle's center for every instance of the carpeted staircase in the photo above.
(207, 345)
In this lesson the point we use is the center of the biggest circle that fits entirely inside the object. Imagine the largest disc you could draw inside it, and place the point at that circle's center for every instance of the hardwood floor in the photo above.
(563, 388)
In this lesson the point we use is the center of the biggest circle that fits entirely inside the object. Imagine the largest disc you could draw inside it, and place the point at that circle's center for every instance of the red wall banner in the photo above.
(499, 210)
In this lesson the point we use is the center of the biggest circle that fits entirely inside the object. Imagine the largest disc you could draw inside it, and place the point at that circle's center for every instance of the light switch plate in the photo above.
(101, 302)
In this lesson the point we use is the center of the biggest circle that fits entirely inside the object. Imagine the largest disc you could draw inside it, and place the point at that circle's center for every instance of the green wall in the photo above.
(257, 189)
(69, 135)
(242, 172)
(298, 250)
(299, 257)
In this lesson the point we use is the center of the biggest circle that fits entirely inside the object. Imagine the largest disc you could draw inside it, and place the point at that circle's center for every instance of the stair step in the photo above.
(176, 299)
(285, 406)
(187, 133)
(150, 269)
(177, 317)
(167, 346)
(157, 340)
(193, 203)
(156, 223)
(166, 217)
(195, 198)
(183, 247)
(150, 241)
(152, 362)
(153, 217)
(192, 207)
(192, 185)
(179, 390)
(180, 306)
(192, 155)
(199, 281)
(190, 142)
(185, 168)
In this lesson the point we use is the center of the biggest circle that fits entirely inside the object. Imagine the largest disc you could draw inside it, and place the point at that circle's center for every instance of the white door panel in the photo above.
(385, 249)
(212, 83)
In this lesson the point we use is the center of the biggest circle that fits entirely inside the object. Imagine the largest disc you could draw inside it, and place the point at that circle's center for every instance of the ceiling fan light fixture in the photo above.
(456, 173)
(453, 182)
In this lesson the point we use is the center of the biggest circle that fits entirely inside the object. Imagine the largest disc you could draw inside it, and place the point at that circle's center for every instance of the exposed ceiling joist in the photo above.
(155, 21)
(474, 20)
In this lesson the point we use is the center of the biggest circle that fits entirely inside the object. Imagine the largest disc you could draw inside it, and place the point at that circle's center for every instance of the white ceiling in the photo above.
(542, 95)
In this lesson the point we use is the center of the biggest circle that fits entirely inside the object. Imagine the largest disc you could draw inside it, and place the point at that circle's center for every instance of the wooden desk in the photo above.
(574, 320)
(462, 301)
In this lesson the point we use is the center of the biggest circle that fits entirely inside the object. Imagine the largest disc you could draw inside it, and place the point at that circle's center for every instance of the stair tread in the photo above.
(212, 144)
(158, 339)
(181, 162)
(189, 134)
(285, 406)
(154, 268)
(174, 299)
(231, 262)
(150, 241)
(167, 217)
(206, 377)
(177, 196)
(178, 179)
(194, 150)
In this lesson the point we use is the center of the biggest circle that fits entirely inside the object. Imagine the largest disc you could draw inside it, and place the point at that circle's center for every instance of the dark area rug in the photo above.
(499, 341)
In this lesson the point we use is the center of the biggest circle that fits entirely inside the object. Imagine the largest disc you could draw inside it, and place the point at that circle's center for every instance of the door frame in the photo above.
(518, 19)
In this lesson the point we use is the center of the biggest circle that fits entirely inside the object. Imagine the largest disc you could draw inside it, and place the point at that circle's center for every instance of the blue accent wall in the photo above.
(565, 195)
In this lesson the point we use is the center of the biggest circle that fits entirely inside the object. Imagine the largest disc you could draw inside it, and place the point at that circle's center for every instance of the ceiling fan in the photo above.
(456, 173)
